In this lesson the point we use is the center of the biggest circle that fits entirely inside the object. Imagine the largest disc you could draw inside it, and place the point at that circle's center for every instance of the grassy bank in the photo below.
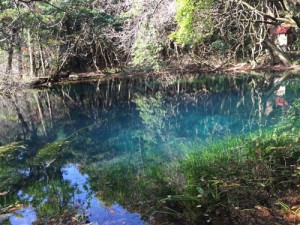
(244, 180)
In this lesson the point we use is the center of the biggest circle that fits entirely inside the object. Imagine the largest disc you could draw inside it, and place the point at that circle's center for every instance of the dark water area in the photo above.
(109, 150)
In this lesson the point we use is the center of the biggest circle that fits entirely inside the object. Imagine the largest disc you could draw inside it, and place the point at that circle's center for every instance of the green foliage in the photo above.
(238, 171)
(49, 153)
(206, 159)
(193, 21)
(66, 29)
(9, 150)
(10, 156)
(121, 182)
(297, 44)
(219, 46)
(9, 176)
(290, 128)
(146, 49)
(293, 115)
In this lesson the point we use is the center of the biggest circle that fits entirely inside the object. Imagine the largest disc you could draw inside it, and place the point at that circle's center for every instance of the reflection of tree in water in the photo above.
(50, 198)
(153, 134)
(41, 184)
(56, 194)
(153, 114)
(122, 139)
(137, 178)
(29, 115)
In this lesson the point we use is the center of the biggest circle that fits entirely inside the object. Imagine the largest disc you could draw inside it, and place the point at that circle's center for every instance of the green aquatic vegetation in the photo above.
(139, 187)
(136, 164)
(242, 171)
(11, 149)
(205, 158)
(293, 116)
(293, 86)
(9, 175)
(10, 156)
(48, 153)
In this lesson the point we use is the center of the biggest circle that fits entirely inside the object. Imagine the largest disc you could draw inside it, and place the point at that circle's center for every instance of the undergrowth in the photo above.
(242, 173)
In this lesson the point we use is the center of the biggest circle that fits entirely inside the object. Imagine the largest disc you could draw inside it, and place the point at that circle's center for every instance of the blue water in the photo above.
(96, 211)
(110, 150)
(84, 199)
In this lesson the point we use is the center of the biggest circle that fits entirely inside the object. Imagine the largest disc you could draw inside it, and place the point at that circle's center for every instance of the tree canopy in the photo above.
(55, 37)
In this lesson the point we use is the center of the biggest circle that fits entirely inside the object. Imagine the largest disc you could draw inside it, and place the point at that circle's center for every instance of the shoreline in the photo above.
(94, 76)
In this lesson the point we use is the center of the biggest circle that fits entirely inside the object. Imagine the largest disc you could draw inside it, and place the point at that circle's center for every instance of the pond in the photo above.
(108, 152)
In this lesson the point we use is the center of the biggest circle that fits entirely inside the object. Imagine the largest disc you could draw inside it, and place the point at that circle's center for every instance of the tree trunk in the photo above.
(10, 52)
(284, 57)
(19, 55)
(31, 56)
(42, 61)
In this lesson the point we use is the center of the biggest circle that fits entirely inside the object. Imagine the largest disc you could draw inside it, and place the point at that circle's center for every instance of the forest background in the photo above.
(55, 38)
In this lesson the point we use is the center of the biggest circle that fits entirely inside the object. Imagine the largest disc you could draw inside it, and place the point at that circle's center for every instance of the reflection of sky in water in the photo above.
(24, 216)
(96, 211)
(85, 199)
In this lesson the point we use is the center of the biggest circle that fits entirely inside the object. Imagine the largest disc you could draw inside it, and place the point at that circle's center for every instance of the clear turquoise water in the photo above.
(111, 149)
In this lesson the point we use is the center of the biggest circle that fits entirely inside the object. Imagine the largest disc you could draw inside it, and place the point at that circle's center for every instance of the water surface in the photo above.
(110, 150)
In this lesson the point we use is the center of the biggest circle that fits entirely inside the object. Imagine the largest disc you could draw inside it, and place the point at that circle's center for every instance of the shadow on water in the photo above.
(98, 152)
